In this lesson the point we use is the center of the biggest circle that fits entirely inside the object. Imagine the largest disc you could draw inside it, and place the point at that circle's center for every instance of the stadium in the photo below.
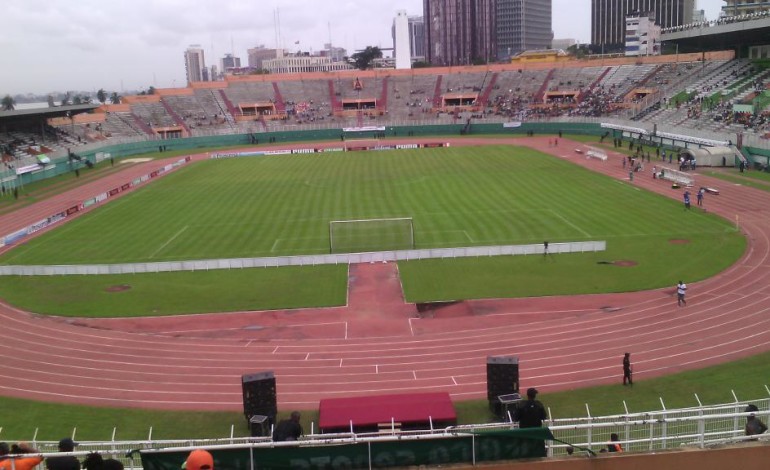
(388, 233)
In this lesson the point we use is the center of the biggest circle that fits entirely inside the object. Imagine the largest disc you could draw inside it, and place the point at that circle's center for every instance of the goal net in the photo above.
(360, 236)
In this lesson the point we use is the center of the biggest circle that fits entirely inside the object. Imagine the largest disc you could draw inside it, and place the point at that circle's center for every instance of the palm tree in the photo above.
(115, 98)
(8, 103)
(101, 95)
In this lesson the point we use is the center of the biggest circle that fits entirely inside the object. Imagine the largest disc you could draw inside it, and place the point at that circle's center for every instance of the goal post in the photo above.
(365, 235)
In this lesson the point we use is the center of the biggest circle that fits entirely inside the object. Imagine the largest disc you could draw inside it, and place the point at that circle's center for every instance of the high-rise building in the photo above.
(195, 64)
(642, 35)
(523, 25)
(417, 37)
(416, 32)
(401, 49)
(460, 32)
(608, 18)
(229, 62)
(744, 7)
(257, 55)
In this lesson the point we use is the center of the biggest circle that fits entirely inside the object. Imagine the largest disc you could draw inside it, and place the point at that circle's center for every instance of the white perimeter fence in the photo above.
(307, 260)
(695, 427)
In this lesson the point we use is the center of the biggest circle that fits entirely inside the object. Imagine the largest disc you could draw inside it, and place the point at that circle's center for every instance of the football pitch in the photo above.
(495, 195)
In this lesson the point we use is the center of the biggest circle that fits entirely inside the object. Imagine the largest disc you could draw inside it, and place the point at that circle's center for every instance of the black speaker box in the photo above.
(502, 376)
(259, 395)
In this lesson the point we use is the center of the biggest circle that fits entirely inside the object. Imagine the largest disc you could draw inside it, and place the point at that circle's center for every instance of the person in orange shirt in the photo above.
(614, 445)
(199, 459)
(21, 463)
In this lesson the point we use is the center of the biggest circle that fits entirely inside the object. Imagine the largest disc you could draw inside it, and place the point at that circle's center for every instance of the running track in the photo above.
(378, 344)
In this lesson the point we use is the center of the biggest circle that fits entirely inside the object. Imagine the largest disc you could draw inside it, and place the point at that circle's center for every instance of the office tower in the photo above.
(608, 18)
(642, 35)
(195, 64)
(523, 25)
(416, 37)
(460, 32)
(401, 49)
(229, 62)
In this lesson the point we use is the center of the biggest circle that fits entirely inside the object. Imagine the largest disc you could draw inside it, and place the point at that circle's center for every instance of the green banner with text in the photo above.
(480, 446)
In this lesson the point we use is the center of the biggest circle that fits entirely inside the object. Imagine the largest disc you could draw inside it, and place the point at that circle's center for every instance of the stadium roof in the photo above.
(57, 110)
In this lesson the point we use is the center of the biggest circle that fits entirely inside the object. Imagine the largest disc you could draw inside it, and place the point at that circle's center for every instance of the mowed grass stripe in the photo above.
(282, 205)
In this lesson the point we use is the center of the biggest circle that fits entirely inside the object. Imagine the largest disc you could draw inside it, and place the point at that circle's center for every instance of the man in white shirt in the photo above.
(681, 289)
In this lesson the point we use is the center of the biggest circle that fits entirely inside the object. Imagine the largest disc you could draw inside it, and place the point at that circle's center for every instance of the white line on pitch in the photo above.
(168, 242)
(454, 381)
(411, 327)
(376, 368)
(570, 223)
(414, 374)
(275, 351)
(469, 237)
(275, 245)
(307, 357)
(249, 343)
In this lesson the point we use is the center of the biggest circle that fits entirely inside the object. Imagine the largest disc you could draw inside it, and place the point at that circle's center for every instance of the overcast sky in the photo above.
(59, 45)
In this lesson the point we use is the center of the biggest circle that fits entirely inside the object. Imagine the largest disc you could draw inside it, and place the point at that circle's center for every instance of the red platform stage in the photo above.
(413, 411)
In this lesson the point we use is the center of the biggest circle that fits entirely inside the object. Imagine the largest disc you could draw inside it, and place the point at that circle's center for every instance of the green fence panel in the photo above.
(461, 449)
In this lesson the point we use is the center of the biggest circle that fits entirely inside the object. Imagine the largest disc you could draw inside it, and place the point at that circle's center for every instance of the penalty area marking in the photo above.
(279, 241)
(168, 242)
(570, 223)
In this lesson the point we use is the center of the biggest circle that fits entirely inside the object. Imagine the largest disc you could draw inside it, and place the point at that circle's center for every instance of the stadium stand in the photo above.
(684, 91)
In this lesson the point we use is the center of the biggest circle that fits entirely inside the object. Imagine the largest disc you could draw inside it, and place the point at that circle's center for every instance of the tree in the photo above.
(65, 101)
(77, 100)
(101, 95)
(8, 103)
(363, 60)
(51, 104)
(151, 90)
(115, 98)
(580, 51)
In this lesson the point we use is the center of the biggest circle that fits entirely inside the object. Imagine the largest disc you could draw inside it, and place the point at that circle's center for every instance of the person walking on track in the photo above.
(681, 290)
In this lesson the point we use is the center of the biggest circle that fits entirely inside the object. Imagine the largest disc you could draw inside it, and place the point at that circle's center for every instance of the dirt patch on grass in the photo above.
(118, 288)
(679, 241)
(625, 263)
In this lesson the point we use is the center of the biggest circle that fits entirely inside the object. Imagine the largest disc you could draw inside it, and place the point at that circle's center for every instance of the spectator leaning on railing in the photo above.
(19, 463)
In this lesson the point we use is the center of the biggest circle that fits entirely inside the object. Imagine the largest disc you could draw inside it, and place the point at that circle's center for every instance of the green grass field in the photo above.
(282, 205)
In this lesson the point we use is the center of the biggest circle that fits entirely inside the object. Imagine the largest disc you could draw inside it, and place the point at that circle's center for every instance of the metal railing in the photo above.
(698, 427)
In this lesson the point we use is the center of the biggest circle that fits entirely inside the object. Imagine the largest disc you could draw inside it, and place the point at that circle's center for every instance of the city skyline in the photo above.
(88, 45)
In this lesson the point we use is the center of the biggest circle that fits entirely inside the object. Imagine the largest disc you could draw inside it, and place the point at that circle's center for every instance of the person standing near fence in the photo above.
(754, 425)
(20, 463)
(530, 413)
(699, 196)
(687, 200)
(65, 462)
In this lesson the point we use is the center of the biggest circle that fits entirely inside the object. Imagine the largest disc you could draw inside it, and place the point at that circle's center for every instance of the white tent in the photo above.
(711, 156)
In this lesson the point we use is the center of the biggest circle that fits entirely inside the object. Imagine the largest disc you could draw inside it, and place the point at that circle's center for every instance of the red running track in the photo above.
(378, 344)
